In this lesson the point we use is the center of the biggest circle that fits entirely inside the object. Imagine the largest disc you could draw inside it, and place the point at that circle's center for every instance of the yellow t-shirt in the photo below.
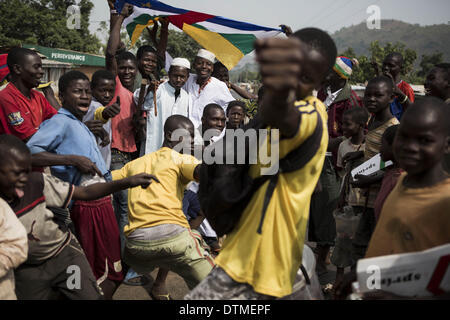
(159, 203)
(412, 219)
(269, 260)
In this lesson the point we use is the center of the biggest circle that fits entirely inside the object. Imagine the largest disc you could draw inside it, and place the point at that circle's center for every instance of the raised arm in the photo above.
(116, 21)
(152, 33)
(279, 61)
(162, 44)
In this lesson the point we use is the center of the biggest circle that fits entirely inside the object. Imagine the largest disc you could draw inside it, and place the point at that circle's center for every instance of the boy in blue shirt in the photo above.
(64, 143)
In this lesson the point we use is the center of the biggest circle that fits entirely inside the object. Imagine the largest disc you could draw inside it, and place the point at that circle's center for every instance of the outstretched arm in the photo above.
(44, 159)
(99, 190)
(242, 92)
(279, 61)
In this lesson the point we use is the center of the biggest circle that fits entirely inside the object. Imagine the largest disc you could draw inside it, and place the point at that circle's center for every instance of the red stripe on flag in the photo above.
(188, 18)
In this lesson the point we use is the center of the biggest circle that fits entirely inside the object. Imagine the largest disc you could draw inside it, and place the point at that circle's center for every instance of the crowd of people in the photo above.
(109, 177)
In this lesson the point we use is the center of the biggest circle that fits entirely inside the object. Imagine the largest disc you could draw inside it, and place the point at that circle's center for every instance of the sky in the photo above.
(329, 15)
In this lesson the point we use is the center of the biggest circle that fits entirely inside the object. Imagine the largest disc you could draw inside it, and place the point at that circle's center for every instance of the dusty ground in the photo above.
(178, 288)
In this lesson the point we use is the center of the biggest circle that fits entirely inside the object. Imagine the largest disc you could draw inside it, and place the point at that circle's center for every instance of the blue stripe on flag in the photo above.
(155, 5)
(239, 25)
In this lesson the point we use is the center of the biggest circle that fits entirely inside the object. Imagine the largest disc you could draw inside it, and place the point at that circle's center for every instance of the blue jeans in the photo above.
(120, 199)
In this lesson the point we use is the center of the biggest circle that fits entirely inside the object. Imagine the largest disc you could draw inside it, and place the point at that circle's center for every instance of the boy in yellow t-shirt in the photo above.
(157, 233)
(261, 256)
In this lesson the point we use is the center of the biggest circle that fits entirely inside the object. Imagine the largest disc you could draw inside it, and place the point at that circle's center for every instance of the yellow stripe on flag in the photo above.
(138, 30)
(224, 50)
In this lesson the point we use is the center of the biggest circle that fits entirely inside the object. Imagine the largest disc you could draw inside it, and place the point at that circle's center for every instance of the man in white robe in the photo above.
(171, 99)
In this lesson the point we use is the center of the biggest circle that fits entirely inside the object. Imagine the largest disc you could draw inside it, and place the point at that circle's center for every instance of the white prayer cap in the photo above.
(205, 54)
(181, 62)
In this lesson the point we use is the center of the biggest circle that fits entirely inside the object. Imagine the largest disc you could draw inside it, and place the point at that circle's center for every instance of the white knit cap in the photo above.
(181, 62)
(205, 54)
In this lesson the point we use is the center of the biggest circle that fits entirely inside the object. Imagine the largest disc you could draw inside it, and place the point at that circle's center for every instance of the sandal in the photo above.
(161, 296)
(137, 281)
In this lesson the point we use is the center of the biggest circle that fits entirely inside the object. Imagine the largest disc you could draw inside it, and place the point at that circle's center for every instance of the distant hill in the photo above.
(422, 39)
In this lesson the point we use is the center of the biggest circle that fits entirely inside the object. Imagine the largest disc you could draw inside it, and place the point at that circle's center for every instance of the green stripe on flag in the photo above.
(199, 26)
(142, 19)
(243, 42)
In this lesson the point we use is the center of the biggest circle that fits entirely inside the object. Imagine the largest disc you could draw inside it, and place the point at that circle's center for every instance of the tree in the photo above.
(427, 63)
(179, 44)
(44, 22)
(365, 70)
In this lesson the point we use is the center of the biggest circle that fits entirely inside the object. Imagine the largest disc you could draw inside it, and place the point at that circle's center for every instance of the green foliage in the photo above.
(44, 22)
(365, 71)
(425, 40)
(179, 44)
(427, 63)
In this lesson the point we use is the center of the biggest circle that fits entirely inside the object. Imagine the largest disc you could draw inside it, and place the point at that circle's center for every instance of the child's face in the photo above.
(420, 143)
(148, 63)
(104, 91)
(386, 151)
(77, 98)
(349, 127)
(14, 175)
(314, 69)
(178, 76)
(377, 97)
(436, 83)
(391, 65)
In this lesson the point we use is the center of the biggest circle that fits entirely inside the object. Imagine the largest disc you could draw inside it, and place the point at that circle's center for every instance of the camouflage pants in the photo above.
(219, 286)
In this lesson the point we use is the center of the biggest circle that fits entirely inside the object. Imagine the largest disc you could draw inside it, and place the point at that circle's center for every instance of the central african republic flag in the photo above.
(229, 40)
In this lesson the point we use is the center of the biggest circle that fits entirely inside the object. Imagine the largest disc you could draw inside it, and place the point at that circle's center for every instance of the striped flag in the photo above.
(229, 40)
